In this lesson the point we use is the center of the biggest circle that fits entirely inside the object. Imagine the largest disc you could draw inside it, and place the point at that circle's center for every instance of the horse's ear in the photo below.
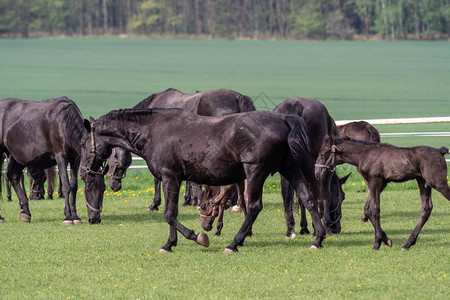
(91, 119)
(332, 138)
(344, 179)
(87, 125)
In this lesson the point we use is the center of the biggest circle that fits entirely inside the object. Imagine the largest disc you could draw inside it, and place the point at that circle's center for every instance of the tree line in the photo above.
(254, 19)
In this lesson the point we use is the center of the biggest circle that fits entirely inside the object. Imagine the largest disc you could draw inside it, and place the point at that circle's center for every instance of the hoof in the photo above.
(236, 208)
(405, 249)
(304, 231)
(203, 239)
(25, 217)
(67, 222)
(151, 208)
(77, 222)
(2, 220)
(292, 235)
(313, 247)
(162, 250)
(389, 242)
(228, 251)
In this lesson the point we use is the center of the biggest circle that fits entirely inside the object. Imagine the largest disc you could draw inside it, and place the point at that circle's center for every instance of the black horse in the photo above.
(319, 123)
(178, 145)
(38, 135)
(209, 103)
(380, 164)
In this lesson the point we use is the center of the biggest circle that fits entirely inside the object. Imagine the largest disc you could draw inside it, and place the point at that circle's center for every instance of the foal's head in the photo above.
(118, 163)
(326, 159)
(208, 209)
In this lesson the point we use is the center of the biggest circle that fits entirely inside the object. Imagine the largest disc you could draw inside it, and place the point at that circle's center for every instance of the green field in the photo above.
(117, 259)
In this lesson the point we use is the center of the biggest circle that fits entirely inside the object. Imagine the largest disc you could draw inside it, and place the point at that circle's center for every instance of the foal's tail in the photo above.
(301, 150)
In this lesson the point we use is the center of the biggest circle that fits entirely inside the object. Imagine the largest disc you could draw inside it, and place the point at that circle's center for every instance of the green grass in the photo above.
(118, 258)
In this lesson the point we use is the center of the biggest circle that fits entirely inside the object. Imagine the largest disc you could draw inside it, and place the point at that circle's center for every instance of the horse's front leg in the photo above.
(73, 192)
(219, 225)
(311, 205)
(254, 206)
(157, 197)
(62, 168)
(372, 211)
(14, 172)
(427, 207)
(171, 188)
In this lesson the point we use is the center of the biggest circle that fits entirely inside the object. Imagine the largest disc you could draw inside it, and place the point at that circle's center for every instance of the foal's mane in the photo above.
(364, 142)
(134, 114)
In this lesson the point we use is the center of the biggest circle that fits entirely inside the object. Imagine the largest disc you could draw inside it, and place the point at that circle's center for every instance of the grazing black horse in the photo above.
(359, 130)
(178, 145)
(209, 103)
(380, 164)
(319, 123)
(38, 135)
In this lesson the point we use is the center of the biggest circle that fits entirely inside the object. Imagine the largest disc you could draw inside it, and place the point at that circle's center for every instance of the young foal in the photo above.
(380, 164)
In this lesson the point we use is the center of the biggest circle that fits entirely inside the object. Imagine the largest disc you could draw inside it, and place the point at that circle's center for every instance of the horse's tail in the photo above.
(146, 102)
(245, 103)
(300, 147)
(444, 150)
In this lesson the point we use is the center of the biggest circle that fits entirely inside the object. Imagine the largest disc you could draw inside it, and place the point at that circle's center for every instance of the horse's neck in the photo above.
(351, 152)
(127, 136)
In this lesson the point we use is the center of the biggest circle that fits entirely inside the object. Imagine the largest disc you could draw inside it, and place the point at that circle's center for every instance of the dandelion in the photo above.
(300, 280)
(116, 285)
(278, 210)
(274, 185)
(137, 177)
(358, 285)
(138, 269)
(38, 275)
(120, 224)
(148, 254)
(285, 271)
(351, 260)
(444, 276)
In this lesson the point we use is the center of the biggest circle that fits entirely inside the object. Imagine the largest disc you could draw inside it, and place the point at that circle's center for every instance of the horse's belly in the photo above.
(216, 174)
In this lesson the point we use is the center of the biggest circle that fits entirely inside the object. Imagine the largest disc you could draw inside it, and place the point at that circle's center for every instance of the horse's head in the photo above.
(208, 209)
(335, 194)
(326, 159)
(118, 163)
(94, 152)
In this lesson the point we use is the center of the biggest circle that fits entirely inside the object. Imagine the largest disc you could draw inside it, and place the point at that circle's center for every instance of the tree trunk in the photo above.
(81, 18)
(416, 20)
(105, 17)
(198, 24)
(386, 34)
(392, 20)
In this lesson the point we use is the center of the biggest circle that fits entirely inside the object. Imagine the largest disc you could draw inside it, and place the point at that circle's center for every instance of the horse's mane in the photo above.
(133, 114)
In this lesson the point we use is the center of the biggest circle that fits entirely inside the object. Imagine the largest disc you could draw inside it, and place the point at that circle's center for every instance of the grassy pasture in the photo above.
(117, 259)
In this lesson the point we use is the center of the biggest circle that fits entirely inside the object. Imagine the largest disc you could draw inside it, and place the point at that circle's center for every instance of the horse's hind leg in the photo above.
(157, 198)
(287, 192)
(427, 207)
(62, 167)
(171, 187)
(14, 171)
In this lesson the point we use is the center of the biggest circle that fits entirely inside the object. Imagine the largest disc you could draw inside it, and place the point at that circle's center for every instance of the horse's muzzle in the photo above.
(95, 220)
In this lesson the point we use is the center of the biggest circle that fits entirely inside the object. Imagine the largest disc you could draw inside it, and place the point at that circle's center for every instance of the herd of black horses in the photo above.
(218, 143)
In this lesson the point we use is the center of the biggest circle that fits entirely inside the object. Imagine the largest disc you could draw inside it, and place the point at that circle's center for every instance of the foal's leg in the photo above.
(171, 189)
(242, 200)
(157, 198)
(372, 211)
(427, 207)
(13, 172)
(287, 192)
(188, 194)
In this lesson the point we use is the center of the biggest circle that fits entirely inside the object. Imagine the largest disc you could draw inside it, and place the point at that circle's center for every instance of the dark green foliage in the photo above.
(304, 19)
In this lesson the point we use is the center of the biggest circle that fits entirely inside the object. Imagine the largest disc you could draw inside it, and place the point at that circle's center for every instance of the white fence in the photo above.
(381, 122)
